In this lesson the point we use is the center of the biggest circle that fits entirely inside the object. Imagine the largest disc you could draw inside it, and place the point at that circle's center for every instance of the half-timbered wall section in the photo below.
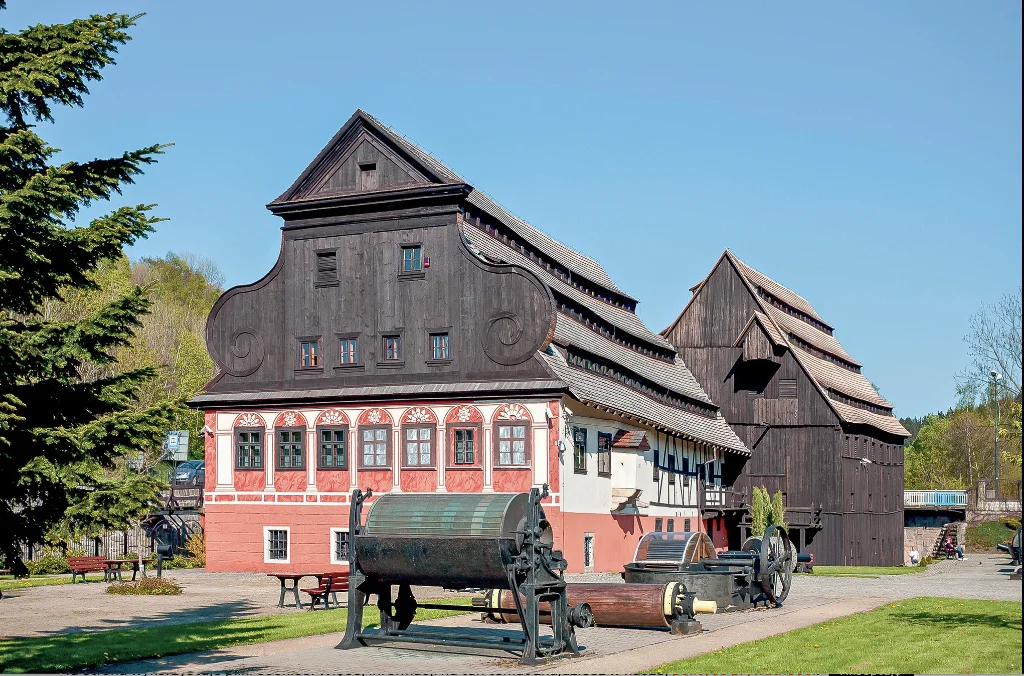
(415, 336)
(817, 429)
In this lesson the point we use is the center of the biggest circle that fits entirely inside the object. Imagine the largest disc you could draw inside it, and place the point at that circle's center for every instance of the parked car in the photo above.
(191, 473)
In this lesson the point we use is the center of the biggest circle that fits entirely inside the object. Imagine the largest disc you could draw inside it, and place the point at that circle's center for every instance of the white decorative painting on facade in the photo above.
(418, 416)
(290, 419)
(374, 417)
(513, 412)
(332, 417)
(249, 420)
(464, 414)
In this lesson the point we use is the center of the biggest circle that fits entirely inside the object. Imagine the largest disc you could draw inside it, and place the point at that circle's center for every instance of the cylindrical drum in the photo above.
(613, 604)
(453, 541)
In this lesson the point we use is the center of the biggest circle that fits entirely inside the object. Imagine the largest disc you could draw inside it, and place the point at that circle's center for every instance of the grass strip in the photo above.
(866, 571)
(80, 650)
(925, 635)
(7, 583)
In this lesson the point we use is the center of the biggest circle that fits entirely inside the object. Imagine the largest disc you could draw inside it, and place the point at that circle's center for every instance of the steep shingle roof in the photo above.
(623, 319)
(827, 375)
(597, 390)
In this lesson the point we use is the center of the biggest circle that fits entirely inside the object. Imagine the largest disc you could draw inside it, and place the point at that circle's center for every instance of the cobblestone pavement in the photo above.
(607, 650)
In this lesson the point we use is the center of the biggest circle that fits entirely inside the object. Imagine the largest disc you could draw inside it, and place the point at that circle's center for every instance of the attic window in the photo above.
(368, 177)
(327, 268)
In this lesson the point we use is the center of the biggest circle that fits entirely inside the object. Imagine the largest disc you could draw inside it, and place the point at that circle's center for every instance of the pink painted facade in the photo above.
(312, 503)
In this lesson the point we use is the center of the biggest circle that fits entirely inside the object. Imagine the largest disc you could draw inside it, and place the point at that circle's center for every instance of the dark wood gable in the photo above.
(360, 158)
(376, 279)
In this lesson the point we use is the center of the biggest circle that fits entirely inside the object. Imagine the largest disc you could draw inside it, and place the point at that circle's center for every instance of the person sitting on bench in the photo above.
(952, 549)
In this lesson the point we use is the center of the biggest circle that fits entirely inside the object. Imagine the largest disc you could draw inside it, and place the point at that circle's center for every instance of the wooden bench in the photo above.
(330, 585)
(80, 565)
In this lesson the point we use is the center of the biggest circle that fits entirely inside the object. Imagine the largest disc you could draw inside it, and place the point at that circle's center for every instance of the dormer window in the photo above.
(368, 177)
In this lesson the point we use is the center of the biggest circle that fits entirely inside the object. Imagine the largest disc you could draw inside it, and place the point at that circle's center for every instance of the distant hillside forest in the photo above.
(953, 449)
(182, 290)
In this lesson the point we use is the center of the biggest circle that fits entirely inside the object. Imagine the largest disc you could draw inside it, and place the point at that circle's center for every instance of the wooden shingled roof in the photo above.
(836, 374)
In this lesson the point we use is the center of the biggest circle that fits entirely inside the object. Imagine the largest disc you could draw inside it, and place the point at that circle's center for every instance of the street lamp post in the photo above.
(996, 376)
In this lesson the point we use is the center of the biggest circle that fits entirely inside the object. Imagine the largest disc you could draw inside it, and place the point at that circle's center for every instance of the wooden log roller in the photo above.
(616, 605)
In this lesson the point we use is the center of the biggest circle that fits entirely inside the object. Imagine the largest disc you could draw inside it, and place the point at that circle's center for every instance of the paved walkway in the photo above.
(608, 650)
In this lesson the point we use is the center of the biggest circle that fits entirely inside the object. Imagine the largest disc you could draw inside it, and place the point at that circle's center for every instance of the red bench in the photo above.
(330, 585)
(80, 565)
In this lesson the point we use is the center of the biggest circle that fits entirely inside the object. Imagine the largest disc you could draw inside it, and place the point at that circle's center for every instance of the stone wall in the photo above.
(924, 537)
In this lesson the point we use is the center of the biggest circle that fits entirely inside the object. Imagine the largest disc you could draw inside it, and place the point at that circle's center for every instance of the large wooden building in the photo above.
(415, 336)
(816, 428)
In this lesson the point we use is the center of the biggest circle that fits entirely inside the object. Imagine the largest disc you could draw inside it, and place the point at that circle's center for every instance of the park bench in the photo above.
(330, 585)
(80, 565)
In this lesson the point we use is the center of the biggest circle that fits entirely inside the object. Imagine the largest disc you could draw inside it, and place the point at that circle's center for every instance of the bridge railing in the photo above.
(936, 498)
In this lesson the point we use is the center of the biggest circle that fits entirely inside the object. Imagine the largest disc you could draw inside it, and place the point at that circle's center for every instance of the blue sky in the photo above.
(867, 155)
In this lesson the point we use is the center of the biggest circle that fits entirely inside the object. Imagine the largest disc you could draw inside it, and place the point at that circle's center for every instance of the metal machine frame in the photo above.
(534, 572)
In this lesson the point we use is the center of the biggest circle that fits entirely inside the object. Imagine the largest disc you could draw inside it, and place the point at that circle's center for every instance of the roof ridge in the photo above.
(809, 310)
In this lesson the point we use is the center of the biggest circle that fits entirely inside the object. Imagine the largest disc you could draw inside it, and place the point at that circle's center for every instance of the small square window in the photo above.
(671, 525)
(412, 260)
(349, 350)
(392, 348)
(658, 524)
(439, 346)
(340, 545)
(276, 543)
(671, 469)
(309, 354)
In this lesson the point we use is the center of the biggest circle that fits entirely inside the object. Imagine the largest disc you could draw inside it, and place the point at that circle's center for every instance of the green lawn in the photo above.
(986, 535)
(8, 583)
(923, 635)
(67, 652)
(865, 571)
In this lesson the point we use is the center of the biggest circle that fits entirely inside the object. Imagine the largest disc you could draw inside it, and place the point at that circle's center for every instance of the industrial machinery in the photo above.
(760, 572)
(668, 605)
(458, 541)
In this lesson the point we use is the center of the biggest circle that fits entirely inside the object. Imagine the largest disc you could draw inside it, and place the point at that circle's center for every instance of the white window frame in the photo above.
(334, 560)
(266, 544)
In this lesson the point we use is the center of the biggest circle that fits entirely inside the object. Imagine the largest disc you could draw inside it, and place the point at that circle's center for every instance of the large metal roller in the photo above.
(617, 605)
(500, 540)
(452, 541)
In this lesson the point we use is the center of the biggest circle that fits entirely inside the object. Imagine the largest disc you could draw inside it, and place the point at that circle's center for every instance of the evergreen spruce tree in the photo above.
(64, 436)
